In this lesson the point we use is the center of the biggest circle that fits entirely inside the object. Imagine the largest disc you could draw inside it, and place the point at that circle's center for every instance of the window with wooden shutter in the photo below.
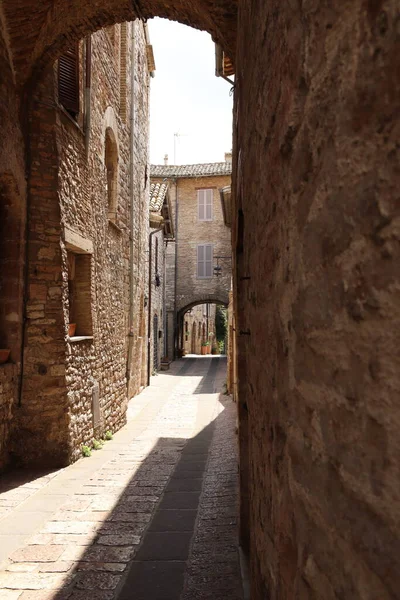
(68, 80)
(205, 204)
(204, 261)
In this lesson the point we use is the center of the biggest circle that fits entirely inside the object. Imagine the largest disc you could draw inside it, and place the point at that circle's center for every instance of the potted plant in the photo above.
(205, 348)
(71, 329)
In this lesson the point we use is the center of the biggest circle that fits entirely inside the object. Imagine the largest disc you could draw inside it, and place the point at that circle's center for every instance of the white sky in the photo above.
(186, 97)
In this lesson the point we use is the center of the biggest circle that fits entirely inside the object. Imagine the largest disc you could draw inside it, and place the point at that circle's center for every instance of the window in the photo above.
(205, 204)
(111, 161)
(79, 293)
(68, 80)
(204, 261)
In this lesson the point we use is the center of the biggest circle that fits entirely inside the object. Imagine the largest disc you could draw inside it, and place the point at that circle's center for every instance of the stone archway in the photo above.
(53, 25)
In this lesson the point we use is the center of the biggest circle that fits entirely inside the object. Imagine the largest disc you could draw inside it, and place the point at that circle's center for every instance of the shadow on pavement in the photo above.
(141, 546)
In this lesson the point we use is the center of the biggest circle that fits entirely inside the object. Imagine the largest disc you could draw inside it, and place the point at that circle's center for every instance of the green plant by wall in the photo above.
(108, 435)
(97, 444)
(86, 451)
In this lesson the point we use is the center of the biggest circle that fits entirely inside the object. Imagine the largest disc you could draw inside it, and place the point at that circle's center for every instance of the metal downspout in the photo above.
(149, 302)
(176, 271)
(131, 216)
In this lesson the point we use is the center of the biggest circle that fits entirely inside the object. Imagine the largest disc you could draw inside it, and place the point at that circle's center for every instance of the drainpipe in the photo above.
(88, 77)
(149, 302)
(176, 271)
(131, 216)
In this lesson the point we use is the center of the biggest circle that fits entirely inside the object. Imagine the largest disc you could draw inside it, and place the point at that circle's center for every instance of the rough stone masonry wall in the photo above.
(68, 192)
(192, 232)
(157, 300)
(102, 361)
(12, 248)
(317, 232)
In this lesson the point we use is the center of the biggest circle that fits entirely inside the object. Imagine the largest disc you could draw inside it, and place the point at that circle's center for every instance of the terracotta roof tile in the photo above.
(158, 192)
(200, 170)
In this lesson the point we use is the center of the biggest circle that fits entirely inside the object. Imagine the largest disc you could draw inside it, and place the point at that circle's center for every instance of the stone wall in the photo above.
(75, 388)
(157, 323)
(12, 246)
(318, 299)
(190, 232)
(198, 327)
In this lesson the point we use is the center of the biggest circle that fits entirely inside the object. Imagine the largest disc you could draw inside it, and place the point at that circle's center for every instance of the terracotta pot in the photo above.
(4, 356)
(71, 329)
(204, 350)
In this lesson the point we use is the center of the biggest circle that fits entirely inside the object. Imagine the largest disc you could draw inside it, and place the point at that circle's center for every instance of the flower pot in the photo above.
(4, 356)
(204, 350)
(71, 329)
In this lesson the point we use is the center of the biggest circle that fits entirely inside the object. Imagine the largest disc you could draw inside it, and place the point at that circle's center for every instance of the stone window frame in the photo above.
(110, 147)
(205, 276)
(203, 192)
(80, 249)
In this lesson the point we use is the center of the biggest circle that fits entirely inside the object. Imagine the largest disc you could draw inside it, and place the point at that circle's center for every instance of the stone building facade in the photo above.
(161, 234)
(199, 328)
(202, 241)
(87, 199)
(316, 277)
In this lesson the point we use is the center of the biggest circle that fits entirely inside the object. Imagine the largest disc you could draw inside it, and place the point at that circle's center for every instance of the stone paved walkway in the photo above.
(151, 516)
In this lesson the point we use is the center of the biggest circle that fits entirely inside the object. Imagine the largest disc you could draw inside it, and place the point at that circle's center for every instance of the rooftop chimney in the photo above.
(228, 157)
(165, 159)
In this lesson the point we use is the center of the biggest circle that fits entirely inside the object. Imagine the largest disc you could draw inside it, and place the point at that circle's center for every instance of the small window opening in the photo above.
(68, 80)
(111, 162)
(79, 294)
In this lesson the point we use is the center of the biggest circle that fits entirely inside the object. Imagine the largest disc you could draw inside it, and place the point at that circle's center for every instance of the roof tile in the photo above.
(199, 170)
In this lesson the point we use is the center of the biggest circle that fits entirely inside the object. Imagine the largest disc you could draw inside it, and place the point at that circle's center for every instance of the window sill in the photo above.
(79, 338)
(70, 119)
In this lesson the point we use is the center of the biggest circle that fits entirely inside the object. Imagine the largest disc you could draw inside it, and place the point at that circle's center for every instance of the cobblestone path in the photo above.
(151, 516)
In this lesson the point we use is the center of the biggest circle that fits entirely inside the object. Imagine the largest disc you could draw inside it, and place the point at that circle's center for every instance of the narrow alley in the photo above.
(151, 516)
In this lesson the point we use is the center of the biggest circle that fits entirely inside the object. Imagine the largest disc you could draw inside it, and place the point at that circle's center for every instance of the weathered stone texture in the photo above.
(12, 247)
(69, 208)
(158, 282)
(191, 232)
(198, 327)
(317, 179)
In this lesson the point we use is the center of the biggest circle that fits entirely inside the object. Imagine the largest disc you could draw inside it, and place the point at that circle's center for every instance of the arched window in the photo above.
(111, 162)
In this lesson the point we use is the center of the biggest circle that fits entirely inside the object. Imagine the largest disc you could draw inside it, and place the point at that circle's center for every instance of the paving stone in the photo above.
(10, 594)
(185, 485)
(154, 581)
(59, 566)
(89, 580)
(69, 527)
(118, 539)
(180, 500)
(118, 527)
(31, 581)
(173, 520)
(45, 553)
(165, 546)
(130, 517)
(102, 554)
(76, 504)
